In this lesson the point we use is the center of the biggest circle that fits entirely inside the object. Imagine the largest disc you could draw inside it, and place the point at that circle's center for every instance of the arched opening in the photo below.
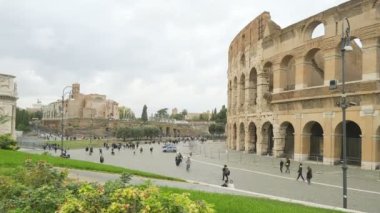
(252, 87)
(234, 136)
(161, 131)
(313, 132)
(267, 138)
(317, 29)
(354, 142)
(287, 132)
(167, 131)
(242, 92)
(241, 137)
(314, 68)
(288, 70)
(234, 92)
(252, 140)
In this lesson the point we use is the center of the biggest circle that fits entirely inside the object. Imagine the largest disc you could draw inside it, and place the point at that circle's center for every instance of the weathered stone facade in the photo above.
(279, 102)
(82, 106)
(8, 98)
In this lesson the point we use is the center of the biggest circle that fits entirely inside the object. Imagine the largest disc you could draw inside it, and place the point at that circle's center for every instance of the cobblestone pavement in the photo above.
(251, 173)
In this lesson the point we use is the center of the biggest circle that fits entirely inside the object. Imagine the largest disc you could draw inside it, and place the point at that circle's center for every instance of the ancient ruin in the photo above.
(8, 98)
(279, 99)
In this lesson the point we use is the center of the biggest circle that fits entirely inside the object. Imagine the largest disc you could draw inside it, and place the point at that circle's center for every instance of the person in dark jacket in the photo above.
(309, 175)
(287, 165)
(281, 165)
(225, 172)
(300, 172)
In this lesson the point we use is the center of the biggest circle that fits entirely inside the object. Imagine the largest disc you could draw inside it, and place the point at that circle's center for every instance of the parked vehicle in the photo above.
(171, 148)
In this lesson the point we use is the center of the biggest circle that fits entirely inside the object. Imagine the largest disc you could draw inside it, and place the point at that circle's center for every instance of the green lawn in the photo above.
(12, 159)
(239, 204)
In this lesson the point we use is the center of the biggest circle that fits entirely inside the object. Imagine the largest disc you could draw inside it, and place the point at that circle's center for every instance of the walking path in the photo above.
(252, 174)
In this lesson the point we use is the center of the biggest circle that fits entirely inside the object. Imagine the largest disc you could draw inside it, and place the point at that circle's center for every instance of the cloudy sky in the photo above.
(162, 53)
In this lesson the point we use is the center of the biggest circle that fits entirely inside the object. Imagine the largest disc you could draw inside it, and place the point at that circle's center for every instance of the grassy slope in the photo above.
(12, 159)
(234, 203)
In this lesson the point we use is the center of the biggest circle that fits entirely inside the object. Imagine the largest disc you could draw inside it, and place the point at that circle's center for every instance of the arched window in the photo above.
(314, 68)
(288, 69)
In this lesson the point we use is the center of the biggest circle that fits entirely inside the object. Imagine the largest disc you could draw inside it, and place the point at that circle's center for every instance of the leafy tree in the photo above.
(221, 117)
(212, 129)
(162, 113)
(126, 113)
(144, 115)
(22, 120)
(219, 128)
(178, 117)
(184, 112)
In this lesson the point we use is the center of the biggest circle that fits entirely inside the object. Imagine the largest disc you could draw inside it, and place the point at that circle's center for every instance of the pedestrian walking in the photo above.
(225, 172)
(309, 175)
(151, 149)
(300, 172)
(287, 165)
(188, 162)
(281, 165)
(141, 149)
(101, 159)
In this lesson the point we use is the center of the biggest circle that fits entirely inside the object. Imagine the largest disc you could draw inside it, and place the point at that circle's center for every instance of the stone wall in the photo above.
(279, 102)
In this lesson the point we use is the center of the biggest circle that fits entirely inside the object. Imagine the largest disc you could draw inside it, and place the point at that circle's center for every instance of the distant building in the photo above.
(8, 98)
(35, 107)
(82, 106)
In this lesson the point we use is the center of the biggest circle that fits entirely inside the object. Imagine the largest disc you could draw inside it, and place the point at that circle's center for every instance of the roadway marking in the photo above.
(288, 178)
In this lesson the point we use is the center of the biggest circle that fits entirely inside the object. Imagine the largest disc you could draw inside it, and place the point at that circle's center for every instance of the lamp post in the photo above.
(63, 96)
(345, 46)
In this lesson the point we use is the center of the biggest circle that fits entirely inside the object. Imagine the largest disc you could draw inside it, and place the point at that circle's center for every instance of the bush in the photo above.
(7, 142)
(37, 187)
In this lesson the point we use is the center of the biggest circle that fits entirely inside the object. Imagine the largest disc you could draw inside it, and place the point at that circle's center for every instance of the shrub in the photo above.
(7, 142)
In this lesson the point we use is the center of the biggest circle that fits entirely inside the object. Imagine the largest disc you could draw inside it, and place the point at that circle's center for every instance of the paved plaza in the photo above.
(250, 173)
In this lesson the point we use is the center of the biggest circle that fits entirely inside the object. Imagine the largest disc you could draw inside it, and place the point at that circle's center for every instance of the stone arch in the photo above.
(314, 68)
(252, 87)
(234, 136)
(315, 29)
(267, 138)
(252, 138)
(242, 92)
(234, 92)
(313, 140)
(287, 140)
(354, 142)
(241, 137)
(167, 131)
(288, 70)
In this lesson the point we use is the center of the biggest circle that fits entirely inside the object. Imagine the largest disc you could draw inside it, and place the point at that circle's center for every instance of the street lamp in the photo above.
(345, 46)
(62, 108)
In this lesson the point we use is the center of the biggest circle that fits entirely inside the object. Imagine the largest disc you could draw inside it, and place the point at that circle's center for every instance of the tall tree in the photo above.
(144, 115)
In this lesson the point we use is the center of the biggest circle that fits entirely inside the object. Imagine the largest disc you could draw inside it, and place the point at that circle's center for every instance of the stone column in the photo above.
(328, 139)
(332, 65)
(259, 143)
(300, 73)
(371, 62)
(277, 74)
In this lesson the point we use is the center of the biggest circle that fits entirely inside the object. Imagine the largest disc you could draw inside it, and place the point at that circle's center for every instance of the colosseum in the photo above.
(281, 96)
